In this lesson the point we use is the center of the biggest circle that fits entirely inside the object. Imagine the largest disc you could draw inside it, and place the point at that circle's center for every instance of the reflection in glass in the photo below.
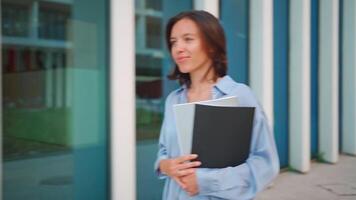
(15, 19)
(52, 20)
(153, 32)
(149, 54)
(54, 99)
(152, 66)
(149, 93)
(154, 4)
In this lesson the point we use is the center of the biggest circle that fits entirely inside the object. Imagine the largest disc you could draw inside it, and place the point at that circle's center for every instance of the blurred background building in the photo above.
(84, 84)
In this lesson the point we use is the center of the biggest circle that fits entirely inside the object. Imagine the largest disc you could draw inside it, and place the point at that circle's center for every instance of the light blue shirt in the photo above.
(241, 182)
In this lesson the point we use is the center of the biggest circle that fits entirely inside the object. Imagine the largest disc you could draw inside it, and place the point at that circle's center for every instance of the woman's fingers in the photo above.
(185, 166)
(188, 165)
(183, 159)
(180, 183)
(185, 172)
(180, 166)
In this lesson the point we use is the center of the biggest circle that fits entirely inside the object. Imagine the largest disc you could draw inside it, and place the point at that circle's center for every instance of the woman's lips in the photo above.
(181, 59)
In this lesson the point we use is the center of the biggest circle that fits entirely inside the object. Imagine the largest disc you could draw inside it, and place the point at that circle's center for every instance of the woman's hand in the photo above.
(191, 183)
(179, 167)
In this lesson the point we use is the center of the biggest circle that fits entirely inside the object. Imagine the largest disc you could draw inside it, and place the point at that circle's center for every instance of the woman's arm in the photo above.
(163, 137)
(166, 165)
(162, 151)
(173, 167)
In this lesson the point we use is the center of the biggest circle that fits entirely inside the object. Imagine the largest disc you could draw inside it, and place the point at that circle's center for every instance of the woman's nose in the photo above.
(179, 47)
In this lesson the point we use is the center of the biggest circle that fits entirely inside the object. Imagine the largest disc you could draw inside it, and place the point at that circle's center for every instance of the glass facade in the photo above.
(55, 110)
(234, 16)
(153, 64)
(15, 20)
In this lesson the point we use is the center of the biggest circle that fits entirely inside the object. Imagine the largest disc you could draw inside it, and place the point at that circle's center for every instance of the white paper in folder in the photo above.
(184, 117)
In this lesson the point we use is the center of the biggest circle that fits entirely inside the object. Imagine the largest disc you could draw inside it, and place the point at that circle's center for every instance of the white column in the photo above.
(299, 85)
(261, 53)
(349, 78)
(328, 80)
(122, 90)
(212, 6)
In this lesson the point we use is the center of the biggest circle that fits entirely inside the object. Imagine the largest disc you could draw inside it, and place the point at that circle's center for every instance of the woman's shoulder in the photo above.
(173, 96)
(240, 87)
(245, 95)
(242, 91)
(227, 83)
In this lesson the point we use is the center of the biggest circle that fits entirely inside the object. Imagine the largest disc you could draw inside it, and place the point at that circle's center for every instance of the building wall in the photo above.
(296, 55)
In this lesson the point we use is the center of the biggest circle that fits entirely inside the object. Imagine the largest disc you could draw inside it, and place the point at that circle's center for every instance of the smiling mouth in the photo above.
(181, 59)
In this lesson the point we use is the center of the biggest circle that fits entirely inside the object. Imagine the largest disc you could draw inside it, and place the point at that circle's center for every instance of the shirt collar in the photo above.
(224, 85)
(182, 88)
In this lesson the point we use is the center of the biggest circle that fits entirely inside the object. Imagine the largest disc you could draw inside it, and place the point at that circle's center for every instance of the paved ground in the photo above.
(323, 182)
(50, 178)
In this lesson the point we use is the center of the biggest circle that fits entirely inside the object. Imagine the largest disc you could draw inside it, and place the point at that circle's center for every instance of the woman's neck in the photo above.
(201, 80)
(201, 86)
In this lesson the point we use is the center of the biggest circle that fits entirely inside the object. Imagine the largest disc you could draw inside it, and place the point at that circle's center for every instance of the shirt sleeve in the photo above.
(245, 180)
(162, 144)
(162, 152)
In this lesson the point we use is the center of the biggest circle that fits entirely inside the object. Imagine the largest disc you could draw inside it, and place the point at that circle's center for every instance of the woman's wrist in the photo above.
(162, 166)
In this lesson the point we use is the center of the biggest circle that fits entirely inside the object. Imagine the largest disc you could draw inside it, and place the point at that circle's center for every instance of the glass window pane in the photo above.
(53, 18)
(147, 65)
(152, 66)
(234, 17)
(55, 94)
(15, 19)
(154, 4)
(153, 32)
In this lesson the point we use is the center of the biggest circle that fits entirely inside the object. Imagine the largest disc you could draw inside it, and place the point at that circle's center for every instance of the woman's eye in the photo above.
(172, 42)
(188, 39)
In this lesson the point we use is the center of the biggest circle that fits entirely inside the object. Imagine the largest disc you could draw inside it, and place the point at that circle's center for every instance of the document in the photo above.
(217, 130)
(222, 135)
(184, 117)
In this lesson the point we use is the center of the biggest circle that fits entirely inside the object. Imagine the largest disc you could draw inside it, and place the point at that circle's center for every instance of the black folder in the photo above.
(222, 135)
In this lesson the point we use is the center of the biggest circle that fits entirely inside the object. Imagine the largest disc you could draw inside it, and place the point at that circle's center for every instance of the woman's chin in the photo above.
(184, 70)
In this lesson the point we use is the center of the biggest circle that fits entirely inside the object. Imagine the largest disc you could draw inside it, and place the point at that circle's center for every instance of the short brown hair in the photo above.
(213, 38)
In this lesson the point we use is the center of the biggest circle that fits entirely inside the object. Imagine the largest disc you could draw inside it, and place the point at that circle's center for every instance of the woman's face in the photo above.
(188, 50)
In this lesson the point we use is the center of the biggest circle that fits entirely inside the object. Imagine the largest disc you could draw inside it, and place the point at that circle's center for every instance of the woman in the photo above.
(197, 44)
